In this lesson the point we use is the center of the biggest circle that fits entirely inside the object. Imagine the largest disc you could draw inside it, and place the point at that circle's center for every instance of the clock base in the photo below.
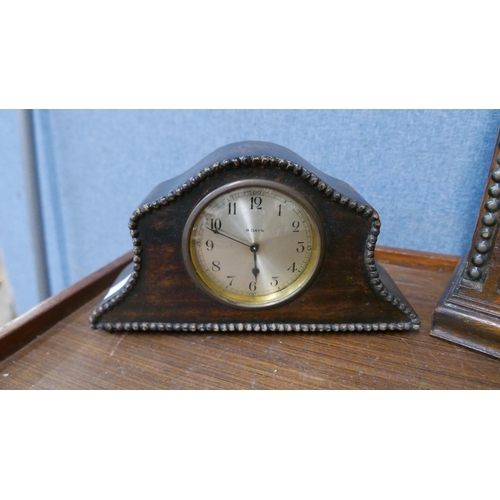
(466, 322)
(129, 319)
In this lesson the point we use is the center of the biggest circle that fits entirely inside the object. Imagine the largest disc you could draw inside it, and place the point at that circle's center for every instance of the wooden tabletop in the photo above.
(61, 352)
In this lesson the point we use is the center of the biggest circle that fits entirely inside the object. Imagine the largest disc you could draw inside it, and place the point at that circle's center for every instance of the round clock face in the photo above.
(253, 243)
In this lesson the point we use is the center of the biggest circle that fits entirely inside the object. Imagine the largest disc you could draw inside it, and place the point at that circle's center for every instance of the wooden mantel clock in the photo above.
(254, 238)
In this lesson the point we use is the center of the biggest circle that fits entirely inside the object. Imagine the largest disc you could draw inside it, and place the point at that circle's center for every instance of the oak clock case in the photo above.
(254, 238)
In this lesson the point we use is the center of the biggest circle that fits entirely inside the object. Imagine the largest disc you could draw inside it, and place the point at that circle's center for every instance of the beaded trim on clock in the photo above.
(244, 161)
(479, 259)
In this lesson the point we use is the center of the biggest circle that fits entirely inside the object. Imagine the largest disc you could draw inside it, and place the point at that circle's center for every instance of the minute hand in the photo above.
(216, 231)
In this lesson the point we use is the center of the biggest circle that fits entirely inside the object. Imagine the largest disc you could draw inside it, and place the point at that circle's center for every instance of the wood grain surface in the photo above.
(70, 355)
(26, 327)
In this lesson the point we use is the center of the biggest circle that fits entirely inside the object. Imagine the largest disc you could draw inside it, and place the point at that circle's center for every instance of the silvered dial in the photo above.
(253, 243)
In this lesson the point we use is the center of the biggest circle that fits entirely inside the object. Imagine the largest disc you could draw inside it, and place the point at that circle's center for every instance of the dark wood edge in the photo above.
(23, 329)
(465, 327)
(465, 322)
(416, 259)
(35, 322)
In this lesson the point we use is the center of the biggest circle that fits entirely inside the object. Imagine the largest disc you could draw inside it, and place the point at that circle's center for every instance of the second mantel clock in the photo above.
(253, 237)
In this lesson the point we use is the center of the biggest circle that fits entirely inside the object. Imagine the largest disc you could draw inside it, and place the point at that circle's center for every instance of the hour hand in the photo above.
(254, 249)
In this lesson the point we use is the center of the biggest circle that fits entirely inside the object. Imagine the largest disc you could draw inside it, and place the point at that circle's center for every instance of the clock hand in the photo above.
(216, 231)
(254, 249)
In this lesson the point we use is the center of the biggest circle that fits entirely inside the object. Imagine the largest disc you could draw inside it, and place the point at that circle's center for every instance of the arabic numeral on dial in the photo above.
(275, 281)
(292, 268)
(295, 225)
(300, 248)
(279, 210)
(231, 279)
(252, 286)
(255, 202)
(210, 245)
(232, 208)
(215, 266)
(215, 224)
